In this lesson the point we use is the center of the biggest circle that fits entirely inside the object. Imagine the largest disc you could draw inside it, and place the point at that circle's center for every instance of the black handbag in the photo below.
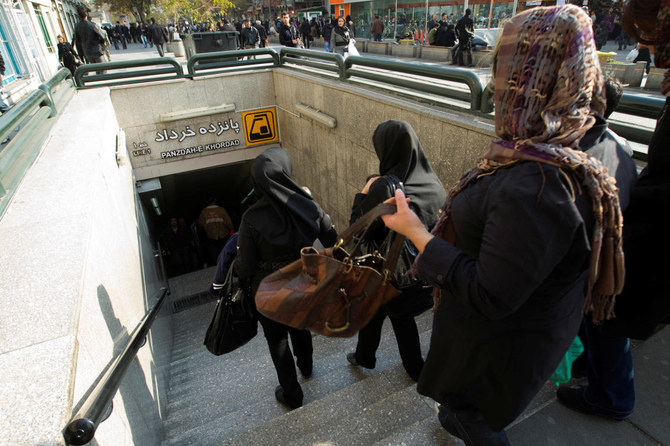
(234, 322)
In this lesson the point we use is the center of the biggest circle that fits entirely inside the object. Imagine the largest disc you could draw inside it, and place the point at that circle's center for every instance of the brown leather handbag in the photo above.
(333, 292)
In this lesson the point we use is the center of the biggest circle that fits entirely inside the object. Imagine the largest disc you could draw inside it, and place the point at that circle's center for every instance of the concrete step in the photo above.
(230, 398)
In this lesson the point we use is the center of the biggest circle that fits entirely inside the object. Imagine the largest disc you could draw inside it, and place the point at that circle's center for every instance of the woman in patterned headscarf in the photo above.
(528, 239)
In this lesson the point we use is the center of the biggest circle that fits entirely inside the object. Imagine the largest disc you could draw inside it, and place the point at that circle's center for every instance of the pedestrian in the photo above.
(306, 31)
(262, 34)
(120, 36)
(250, 37)
(67, 56)
(158, 36)
(401, 158)
(340, 38)
(465, 29)
(377, 29)
(89, 39)
(3, 105)
(511, 290)
(327, 33)
(272, 232)
(288, 33)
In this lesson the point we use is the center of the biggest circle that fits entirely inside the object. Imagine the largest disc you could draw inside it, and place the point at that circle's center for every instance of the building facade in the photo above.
(28, 41)
(403, 16)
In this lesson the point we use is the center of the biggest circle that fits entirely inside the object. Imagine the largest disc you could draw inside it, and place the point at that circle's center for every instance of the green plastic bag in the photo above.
(562, 374)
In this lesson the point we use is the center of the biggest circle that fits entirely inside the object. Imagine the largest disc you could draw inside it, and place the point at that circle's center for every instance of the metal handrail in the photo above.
(52, 83)
(82, 426)
(212, 63)
(175, 72)
(643, 106)
(301, 57)
(417, 68)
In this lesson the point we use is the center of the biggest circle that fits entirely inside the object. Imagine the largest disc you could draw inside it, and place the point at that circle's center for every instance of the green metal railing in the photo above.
(314, 59)
(25, 127)
(391, 68)
(227, 61)
(29, 121)
(119, 73)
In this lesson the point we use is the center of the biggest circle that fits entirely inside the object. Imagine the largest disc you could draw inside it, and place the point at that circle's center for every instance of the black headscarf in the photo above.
(400, 154)
(284, 214)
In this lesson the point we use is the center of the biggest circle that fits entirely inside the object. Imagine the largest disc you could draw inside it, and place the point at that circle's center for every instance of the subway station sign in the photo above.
(194, 137)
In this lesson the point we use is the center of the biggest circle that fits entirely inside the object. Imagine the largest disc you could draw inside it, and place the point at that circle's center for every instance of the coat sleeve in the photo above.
(526, 235)
(246, 252)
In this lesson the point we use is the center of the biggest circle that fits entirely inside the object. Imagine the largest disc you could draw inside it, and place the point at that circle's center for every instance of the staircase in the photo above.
(229, 399)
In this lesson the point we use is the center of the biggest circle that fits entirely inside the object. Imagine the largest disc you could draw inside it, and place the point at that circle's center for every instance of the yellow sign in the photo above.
(260, 126)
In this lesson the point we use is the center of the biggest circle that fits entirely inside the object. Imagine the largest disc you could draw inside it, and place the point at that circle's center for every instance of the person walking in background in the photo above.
(3, 105)
(465, 29)
(157, 36)
(272, 232)
(120, 36)
(288, 33)
(144, 31)
(377, 29)
(89, 39)
(67, 56)
(340, 38)
(306, 31)
(512, 290)
(327, 33)
(401, 158)
(262, 34)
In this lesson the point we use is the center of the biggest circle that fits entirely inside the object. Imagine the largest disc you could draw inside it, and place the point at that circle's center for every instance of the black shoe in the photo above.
(351, 357)
(574, 399)
(305, 369)
(279, 394)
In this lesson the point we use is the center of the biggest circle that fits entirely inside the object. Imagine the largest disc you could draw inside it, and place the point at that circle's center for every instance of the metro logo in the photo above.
(260, 126)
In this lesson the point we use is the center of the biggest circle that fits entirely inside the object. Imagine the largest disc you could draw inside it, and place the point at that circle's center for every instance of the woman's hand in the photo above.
(366, 188)
(406, 222)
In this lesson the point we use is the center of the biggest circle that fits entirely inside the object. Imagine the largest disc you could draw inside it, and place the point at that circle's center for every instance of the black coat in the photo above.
(513, 287)
(89, 39)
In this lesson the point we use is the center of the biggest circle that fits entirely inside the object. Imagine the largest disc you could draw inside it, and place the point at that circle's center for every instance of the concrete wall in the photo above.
(335, 162)
(79, 269)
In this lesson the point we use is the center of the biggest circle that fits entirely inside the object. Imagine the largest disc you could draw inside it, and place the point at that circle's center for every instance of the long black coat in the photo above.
(513, 288)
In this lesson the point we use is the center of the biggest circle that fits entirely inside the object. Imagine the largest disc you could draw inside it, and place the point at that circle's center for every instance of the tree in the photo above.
(195, 10)
(138, 8)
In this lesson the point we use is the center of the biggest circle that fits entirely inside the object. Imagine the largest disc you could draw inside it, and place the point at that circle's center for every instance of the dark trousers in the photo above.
(377, 37)
(277, 335)
(609, 370)
(406, 335)
(469, 425)
(159, 47)
(465, 47)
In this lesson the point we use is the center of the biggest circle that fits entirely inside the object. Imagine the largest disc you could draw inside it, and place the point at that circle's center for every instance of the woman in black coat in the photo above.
(67, 56)
(400, 158)
(528, 240)
(272, 232)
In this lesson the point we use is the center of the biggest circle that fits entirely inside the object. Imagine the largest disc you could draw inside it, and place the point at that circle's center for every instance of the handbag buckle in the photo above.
(350, 265)
(339, 244)
(386, 277)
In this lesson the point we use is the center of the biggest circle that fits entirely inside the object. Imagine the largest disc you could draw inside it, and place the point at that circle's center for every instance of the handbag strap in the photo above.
(363, 224)
(227, 288)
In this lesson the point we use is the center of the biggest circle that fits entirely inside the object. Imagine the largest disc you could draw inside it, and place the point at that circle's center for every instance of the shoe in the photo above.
(305, 369)
(351, 357)
(574, 399)
(279, 394)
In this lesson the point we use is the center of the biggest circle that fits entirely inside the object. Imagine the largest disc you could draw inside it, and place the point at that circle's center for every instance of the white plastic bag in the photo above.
(632, 55)
(351, 48)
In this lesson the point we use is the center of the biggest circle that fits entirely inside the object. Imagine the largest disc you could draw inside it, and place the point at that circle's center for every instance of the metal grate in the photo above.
(192, 301)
